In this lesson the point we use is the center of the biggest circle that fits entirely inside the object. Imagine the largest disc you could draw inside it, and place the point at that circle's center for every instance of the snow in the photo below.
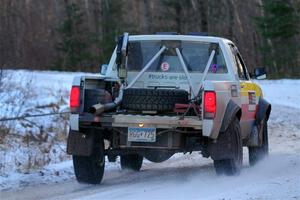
(183, 176)
(281, 92)
(33, 142)
(32, 92)
(200, 182)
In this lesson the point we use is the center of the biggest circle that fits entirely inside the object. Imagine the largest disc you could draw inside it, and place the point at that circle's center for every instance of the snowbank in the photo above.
(281, 92)
(31, 143)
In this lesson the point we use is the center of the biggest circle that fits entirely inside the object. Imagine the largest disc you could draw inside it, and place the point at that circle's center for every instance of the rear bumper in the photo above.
(129, 120)
(119, 123)
(164, 140)
(163, 122)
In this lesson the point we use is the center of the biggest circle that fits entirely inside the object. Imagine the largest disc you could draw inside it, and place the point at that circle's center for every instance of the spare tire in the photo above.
(141, 99)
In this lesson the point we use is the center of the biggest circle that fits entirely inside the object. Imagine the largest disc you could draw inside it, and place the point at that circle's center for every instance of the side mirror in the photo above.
(103, 69)
(260, 73)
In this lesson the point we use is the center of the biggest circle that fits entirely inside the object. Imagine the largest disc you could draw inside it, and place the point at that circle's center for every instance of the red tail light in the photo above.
(75, 99)
(209, 104)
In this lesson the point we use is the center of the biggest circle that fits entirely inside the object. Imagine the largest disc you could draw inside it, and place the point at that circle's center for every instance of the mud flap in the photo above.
(80, 144)
(262, 115)
(256, 136)
(263, 111)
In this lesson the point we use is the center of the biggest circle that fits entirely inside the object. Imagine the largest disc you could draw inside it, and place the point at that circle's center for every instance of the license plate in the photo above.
(141, 134)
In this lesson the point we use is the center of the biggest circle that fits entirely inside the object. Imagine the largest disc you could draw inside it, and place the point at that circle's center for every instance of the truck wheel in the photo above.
(142, 99)
(233, 165)
(132, 161)
(90, 169)
(258, 153)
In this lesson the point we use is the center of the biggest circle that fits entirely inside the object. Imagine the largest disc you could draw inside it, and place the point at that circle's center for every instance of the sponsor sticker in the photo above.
(165, 66)
(252, 101)
(252, 97)
(214, 68)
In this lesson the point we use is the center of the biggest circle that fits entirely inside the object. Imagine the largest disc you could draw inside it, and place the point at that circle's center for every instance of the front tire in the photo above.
(233, 165)
(132, 162)
(256, 154)
(90, 169)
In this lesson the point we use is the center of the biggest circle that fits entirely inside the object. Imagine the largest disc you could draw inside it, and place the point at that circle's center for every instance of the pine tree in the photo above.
(75, 42)
(279, 28)
(111, 24)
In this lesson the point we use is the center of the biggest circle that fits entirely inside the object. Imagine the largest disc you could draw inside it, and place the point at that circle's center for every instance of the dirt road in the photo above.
(193, 177)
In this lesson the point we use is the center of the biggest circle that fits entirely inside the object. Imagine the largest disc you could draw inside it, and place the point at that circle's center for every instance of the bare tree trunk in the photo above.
(204, 15)
(146, 17)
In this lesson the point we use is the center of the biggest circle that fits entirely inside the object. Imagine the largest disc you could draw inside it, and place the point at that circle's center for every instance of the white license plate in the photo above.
(136, 134)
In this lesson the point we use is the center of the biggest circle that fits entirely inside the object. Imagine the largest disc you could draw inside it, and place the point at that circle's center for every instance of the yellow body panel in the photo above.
(249, 105)
(247, 86)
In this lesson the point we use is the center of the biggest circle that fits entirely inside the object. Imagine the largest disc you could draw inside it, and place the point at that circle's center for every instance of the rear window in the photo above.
(195, 56)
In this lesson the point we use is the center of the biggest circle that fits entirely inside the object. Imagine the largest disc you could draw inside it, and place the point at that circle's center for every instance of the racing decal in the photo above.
(252, 97)
(214, 68)
(165, 66)
(249, 100)
(252, 101)
(166, 76)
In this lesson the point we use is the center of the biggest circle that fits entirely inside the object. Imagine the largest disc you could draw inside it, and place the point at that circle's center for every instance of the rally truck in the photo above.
(165, 94)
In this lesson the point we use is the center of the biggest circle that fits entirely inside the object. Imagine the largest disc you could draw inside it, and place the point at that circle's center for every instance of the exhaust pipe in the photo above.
(99, 108)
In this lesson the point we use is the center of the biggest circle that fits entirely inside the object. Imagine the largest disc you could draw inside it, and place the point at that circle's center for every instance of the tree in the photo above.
(185, 16)
(111, 21)
(279, 29)
(75, 41)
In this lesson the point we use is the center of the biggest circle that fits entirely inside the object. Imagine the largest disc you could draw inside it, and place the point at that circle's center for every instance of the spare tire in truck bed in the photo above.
(141, 99)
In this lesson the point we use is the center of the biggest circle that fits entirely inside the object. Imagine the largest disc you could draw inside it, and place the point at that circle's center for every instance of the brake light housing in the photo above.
(210, 104)
(75, 99)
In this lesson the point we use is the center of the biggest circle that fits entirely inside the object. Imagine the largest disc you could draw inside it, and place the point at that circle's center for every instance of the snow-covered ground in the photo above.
(284, 92)
(182, 176)
(33, 142)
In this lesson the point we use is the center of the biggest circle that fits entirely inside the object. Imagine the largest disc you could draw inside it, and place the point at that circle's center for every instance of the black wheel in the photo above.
(90, 169)
(232, 165)
(132, 161)
(141, 99)
(258, 153)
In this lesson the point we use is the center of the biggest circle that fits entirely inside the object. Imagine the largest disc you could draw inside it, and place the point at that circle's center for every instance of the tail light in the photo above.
(75, 99)
(210, 104)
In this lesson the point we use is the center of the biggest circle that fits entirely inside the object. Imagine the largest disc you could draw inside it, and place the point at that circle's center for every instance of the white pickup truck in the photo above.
(163, 94)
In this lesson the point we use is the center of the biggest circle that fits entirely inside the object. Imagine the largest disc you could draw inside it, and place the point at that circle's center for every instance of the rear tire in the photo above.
(233, 165)
(132, 162)
(90, 169)
(256, 154)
